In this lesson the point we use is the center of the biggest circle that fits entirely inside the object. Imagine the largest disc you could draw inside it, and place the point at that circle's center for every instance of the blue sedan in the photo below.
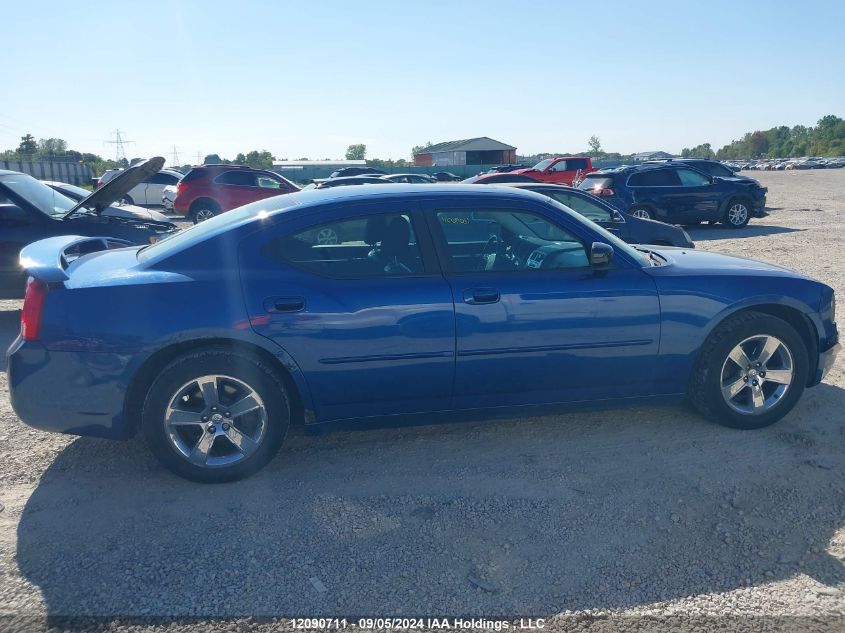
(436, 302)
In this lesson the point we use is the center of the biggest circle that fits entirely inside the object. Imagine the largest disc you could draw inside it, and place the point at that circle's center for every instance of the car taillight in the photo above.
(603, 192)
(33, 305)
(180, 188)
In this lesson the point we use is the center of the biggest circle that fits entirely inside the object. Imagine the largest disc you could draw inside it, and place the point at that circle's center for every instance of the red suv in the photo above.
(562, 170)
(211, 189)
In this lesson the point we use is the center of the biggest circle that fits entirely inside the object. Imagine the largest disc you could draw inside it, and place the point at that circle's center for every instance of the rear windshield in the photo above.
(215, 226)
(596, 182)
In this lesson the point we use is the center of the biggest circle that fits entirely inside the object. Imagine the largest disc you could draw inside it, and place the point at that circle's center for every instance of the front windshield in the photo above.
(39, 195)
(607, 236)
(543, 164)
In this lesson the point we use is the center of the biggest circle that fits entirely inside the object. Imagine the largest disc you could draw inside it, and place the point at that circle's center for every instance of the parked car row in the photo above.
(780, 164)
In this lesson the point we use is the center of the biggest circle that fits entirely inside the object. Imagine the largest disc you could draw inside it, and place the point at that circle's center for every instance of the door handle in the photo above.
(284, 304)
(475, 296)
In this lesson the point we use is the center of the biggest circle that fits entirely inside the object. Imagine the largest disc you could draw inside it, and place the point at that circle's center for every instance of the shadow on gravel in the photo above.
(718, 232)
(527, 517)
(10, 324)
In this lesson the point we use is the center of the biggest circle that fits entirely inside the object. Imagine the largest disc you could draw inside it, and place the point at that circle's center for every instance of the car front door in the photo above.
(534, 322)
(368, 319)
(698, 197)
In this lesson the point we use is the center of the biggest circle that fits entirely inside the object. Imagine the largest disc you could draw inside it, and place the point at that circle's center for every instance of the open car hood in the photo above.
(119, 186)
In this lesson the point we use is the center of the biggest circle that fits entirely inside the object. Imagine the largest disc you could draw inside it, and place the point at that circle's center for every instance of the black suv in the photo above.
(678, 194)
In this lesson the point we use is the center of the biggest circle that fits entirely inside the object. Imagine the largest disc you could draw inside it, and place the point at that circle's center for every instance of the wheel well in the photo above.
(128, 198)
(151, 367)
(740, 197)
(805, 328)
(208, 202)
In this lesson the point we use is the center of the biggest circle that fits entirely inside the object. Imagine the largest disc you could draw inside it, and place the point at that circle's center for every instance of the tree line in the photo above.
(827, 138)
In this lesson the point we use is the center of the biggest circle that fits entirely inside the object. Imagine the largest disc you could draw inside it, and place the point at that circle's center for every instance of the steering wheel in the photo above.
(493, 246)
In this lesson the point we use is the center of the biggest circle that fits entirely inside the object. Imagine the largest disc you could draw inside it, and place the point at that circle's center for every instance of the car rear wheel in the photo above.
(750, 372)
(327, 236)
(215, 416)
(642, 212)
(737, 215)
(127, 199)
(204, 210)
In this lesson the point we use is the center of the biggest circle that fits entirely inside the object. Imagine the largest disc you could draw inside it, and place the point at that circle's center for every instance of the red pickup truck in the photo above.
(561, 169)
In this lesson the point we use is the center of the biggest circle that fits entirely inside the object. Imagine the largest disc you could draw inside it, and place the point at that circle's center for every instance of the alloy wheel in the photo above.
(215, 420)
(641, 213)
(203, 214)
(327, 237)
(738, 214)
(757, 374)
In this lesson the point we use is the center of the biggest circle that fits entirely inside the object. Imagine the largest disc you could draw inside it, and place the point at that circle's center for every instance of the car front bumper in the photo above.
(826, 360)
(81, 393)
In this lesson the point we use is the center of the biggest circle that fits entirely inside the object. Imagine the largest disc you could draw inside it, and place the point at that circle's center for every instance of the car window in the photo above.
(379, 245)
(574, 164)
(498, 240)
(268, 183)
(38, 194)
(236, 177)
(690, 178)
(561, 166)
(162, 179)
(655, 178)
(590, 210)
(596, 182)
(717, 169)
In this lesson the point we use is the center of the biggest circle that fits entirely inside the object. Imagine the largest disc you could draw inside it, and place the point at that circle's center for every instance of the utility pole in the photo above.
(118, 142)
(174, 157)
(199, 158)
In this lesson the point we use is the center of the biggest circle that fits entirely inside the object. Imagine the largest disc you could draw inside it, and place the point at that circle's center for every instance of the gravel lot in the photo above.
(613, 514)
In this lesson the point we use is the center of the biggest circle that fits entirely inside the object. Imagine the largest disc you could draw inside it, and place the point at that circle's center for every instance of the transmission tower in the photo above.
(118, 142)
(199, 158)
(174, 155)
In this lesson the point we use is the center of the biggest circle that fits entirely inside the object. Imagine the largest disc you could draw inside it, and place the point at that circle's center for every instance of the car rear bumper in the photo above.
(68, 392)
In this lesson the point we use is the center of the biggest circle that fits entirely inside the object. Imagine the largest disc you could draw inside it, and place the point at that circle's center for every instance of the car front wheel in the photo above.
(642, 212)
(215, 416)
(750, 372)
(737, 215)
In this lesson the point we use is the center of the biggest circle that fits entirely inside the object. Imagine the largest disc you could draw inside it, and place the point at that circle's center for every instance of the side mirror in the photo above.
(601, 255)
(13, 214)
(617, 217)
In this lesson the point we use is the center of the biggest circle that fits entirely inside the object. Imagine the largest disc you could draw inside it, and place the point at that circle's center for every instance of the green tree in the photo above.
(699, 151)
(419, 149)
(259, 160)
(356, 152)
(595, 146)
(52, 147)
(28, 145)
(213, 159)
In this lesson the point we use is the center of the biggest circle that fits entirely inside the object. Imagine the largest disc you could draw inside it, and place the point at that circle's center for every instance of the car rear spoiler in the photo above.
(49, 259)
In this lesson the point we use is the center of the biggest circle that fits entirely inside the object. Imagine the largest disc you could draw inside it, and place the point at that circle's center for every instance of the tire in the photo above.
(127, 199)
(716, 370)
(642, 212)
(179, 415)
(737, 214)
(203, 210)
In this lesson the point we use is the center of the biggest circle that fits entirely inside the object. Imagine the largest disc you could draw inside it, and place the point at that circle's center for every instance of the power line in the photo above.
(119, 142)
(175, 157)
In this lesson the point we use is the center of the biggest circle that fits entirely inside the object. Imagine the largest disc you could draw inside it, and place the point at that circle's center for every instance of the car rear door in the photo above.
(531, 335)
(368, 320)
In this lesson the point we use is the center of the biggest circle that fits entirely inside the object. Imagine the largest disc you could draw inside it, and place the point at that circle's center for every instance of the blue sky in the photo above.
(308, 78)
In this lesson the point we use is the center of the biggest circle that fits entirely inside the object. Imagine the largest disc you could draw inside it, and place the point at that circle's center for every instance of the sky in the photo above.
(308, 78)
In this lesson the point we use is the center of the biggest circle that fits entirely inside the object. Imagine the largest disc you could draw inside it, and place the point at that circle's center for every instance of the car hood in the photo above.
(697, 262)
(525, 170)
(132, 212)
(119, 186)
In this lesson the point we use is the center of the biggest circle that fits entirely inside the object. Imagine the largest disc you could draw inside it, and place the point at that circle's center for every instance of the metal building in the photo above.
(471, 151)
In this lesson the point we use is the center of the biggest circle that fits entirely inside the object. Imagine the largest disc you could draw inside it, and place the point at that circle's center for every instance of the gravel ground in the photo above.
(607, 520)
